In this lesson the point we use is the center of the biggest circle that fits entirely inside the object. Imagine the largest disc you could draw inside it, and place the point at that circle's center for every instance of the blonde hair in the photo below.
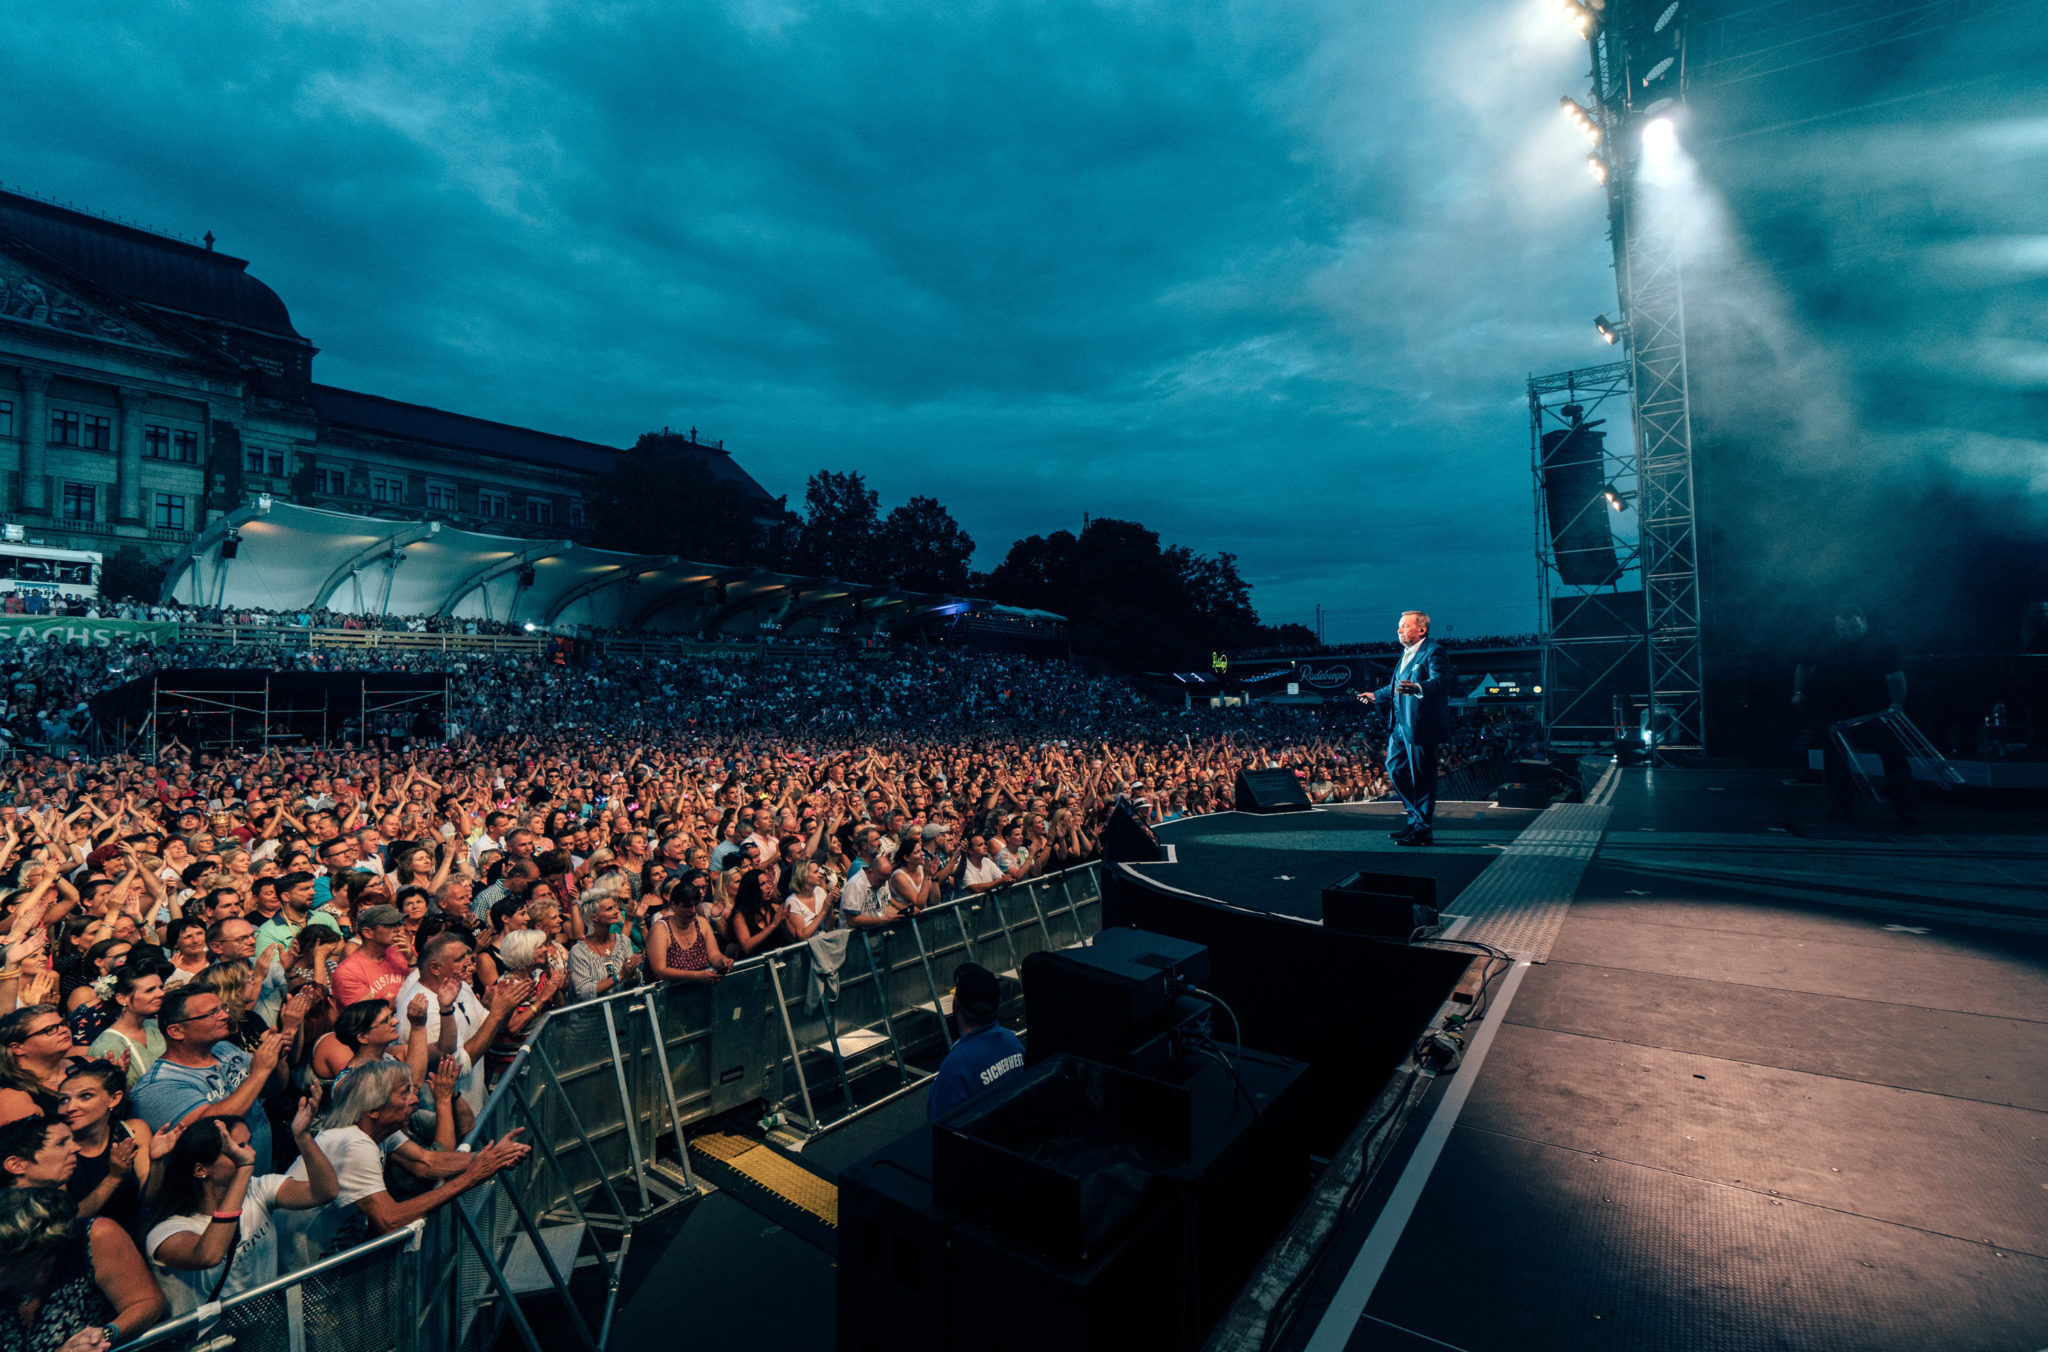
(229, 980)
(34, 1221)
(1421, 615)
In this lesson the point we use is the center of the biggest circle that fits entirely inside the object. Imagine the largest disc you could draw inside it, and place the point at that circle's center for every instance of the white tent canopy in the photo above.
(288, 558)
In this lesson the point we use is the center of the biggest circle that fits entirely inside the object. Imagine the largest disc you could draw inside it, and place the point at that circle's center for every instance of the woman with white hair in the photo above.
(360, 1129)
(523, 954)
(603, 958)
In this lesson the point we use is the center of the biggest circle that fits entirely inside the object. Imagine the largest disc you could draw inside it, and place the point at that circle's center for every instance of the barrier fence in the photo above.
(607, 1092)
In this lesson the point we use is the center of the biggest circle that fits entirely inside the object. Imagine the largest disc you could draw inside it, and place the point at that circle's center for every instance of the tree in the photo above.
(920, 547)
(661, 497)
(842, 518)
(1037, 573)
(1128, 600)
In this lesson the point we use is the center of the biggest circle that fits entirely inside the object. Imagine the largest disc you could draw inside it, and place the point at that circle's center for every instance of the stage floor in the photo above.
(1777, 1086)
(1281, 862)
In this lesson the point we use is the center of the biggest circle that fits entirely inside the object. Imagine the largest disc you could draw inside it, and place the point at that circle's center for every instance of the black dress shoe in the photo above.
(1417, 838)
(1401, 834)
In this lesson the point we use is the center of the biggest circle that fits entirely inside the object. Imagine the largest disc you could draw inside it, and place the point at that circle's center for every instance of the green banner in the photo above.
(83, 633)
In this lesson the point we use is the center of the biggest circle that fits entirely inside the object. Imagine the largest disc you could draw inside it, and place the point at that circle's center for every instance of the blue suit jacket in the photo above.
(1424, 719)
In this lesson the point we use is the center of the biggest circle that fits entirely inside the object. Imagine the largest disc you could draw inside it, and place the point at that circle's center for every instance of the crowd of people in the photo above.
(253, 996)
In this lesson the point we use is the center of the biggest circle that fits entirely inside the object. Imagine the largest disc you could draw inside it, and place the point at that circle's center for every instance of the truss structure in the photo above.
(1634, 80)
(1595, 666)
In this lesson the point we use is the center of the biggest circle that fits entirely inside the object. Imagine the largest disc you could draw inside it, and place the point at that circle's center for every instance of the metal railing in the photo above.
(605, 1091)
(364, 1299)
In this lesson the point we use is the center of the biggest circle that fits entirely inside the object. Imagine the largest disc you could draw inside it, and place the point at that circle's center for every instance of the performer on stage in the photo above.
(1421, 721)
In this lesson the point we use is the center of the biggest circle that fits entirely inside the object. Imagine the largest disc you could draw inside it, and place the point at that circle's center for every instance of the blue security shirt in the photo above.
(976, 1062)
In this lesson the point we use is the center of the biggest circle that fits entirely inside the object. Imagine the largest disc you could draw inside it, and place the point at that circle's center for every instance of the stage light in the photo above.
(1610, 332)
(1664, 19)
(1660, 140)
(1616, 499)
(530, 626)
(1597, 167)
(1576, 114)
(1583, 18)
(1658, 70)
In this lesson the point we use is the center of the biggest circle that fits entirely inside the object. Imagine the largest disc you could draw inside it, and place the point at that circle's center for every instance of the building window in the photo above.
(252, 461)
(575, 511)
(334, 481)
(6, 417)
(79, 502)
(156, 442)
(274, 464)
(383, 489)
(63, 428)
(540, 512)
(170, 511)
(98, 433)
(440, 497)
(491, 505)
(185, 447)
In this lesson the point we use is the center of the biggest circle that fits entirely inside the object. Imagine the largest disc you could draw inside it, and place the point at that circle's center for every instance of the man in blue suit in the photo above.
(1421, 722)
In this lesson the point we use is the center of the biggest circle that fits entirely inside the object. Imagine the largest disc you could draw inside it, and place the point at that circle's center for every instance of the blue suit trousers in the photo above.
(1412, 768)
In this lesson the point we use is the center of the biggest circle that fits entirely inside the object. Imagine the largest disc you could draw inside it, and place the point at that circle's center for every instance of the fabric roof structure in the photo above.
(280, 557)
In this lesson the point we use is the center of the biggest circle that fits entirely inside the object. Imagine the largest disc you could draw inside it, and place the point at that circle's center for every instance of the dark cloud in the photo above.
(1265, 278)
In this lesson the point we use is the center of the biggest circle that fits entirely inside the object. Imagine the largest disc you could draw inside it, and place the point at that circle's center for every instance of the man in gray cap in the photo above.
(984, 1052)
(377, 969)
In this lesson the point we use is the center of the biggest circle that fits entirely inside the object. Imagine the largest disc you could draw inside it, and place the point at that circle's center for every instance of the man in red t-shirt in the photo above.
(377, 969)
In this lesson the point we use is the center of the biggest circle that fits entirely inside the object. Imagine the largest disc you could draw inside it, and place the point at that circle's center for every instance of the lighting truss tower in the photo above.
(1594, 664)
(1638, 51)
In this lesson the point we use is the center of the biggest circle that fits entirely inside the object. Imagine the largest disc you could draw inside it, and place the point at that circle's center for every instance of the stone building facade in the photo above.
(149, 385)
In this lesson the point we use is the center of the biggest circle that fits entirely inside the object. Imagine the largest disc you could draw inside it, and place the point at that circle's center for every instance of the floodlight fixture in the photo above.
(1597, 167)
(1610, 332)
(1583, 17)
(1576, 114)
(1616, 499)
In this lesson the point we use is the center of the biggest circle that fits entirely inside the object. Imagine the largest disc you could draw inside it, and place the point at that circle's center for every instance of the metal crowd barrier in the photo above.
(1923, 759)
(607, 1090)
(365, 1299)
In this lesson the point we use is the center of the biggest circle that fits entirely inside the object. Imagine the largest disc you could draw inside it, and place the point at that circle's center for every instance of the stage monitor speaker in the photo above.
(1575, 501)
(1128, 839)
(1380, 905)
(1270, 791)
(1538, 784)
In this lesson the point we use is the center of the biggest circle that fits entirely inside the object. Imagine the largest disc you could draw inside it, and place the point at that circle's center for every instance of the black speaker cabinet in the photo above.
(1128, 839)
(1270, 791)
(1380, 905)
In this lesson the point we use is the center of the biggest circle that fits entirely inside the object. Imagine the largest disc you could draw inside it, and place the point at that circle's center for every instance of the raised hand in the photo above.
(507, 996)
(308, 1105)
(243, 1155)
(441, 1084)
(121, 1156)
(416, 1008)
(268, 1051)
(161, 1143)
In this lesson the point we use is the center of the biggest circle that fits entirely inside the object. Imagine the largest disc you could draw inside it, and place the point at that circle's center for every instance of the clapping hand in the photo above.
(161, 1143)
(308, 1105)
(121, 1156)
(416, 1008)
(441, 1084)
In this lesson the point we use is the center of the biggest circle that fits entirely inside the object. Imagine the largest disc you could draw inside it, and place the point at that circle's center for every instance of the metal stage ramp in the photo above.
(1773, 1088)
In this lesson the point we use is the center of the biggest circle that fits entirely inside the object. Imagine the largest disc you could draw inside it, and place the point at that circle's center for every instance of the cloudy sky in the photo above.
(1266, 277)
